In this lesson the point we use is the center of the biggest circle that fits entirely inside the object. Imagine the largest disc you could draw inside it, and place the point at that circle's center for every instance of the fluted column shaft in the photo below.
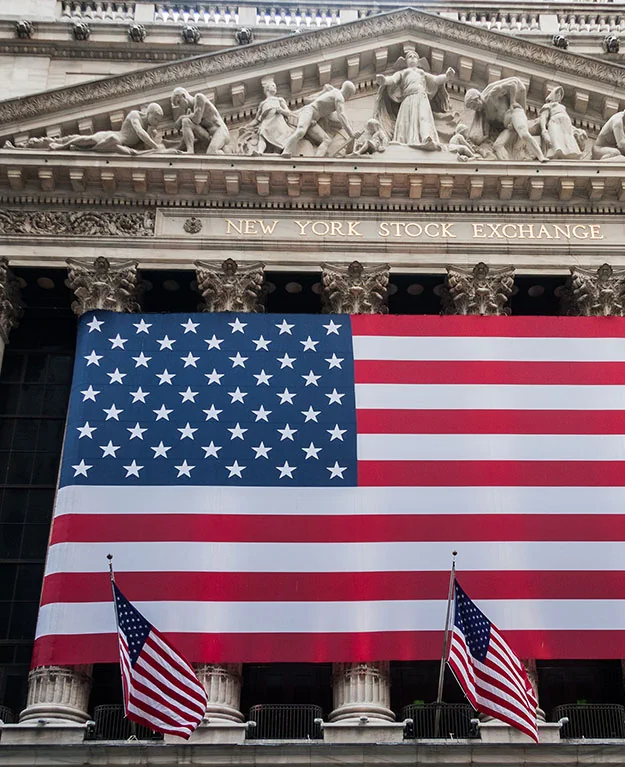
(532, 675)
(223, 689)
(58, 692)
(361, 689)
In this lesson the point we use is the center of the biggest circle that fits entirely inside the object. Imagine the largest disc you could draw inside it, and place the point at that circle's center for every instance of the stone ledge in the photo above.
(41, 732)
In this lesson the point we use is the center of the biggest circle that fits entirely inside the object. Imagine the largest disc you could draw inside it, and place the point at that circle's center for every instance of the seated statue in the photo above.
(271, 128)
(460, 144)
(373, 139)
(199, 122)
(610, 143)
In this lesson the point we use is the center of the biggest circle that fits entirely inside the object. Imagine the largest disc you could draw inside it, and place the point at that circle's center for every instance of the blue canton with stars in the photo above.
(473, 624)
(134, 626)
(212, 399)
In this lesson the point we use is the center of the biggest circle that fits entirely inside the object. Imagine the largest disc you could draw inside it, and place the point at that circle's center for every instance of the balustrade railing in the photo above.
(111, 724)
(454, 720)
(603, 721)
(6, 715)
(96, 10)
(283, 721)
(196, 13)
(591, 23)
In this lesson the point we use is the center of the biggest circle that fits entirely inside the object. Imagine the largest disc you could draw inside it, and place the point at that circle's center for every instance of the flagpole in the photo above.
(441, 672)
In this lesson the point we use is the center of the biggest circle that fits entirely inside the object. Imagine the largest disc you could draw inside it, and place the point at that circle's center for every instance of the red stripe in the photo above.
(490, 421)
(489, 473)
(521, 327)
(332, 587)
(493, 372)
(146, 721)
(280, 528)
(323, 648)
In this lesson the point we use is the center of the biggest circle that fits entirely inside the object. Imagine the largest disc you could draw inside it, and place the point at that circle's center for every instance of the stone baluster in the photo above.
(361, 690)
(355, 289)
(481, 290)
(10, 304)
(223, 688)
(594, 293)
(231, 287)
(103, 284)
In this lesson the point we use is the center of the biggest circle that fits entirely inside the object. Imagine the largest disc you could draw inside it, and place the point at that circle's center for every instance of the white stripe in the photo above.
(458, 348)
(488, 397)
(491, 447)
(329, 501)
(332, 617)
(395, 556)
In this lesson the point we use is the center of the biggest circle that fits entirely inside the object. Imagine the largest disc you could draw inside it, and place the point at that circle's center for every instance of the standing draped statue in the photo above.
(561, 140)
(272, 127)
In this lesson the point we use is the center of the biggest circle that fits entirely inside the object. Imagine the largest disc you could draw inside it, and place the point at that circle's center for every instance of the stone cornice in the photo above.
(95, 51)
(405, 22)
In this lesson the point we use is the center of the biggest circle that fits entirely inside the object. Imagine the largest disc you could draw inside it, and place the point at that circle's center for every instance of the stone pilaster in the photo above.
(58, 692)
(223, 688)
(361, 690)
(595, 293)
(355, 289)
(10, 305)
(231, 287)
(481, 290)
(103, 284)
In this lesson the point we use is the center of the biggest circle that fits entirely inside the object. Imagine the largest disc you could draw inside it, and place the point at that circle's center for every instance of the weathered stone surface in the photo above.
(481, 290)
(78, 223)
(10, 304)
(58, 692)
(355, 289)
(103, 285)
(595, 293)
(230, 287)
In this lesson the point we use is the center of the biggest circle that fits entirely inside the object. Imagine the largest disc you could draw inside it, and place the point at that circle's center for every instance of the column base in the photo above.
(37, 732)
(218, 732)
(363, 730)
(495, 731)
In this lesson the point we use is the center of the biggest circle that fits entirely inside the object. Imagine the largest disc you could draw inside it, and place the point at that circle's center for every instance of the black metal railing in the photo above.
(111, 724)
(283, 721)
(591, 720)
(6, 715)
(454, 720)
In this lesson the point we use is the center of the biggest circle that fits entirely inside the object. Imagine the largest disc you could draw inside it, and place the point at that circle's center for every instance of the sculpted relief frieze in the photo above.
(76, 223)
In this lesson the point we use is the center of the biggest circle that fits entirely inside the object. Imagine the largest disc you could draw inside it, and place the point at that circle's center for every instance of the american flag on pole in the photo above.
(492, 677)
(161, 690)
(288, 488)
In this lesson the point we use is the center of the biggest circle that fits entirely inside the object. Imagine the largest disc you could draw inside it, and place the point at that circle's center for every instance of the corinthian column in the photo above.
(58, 692)
(481, 290)
(223, 688)
(104, 284)
(10, 305)
(361, 690)
(230, 287)
(595, 293)
(355, 289)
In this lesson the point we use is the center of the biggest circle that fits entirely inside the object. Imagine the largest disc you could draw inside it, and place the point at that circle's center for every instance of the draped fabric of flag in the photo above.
(161, 690)
(492, 677)
(289, 488)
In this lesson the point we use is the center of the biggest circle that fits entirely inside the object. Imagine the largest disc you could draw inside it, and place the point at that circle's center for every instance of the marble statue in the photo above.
(406, 102)
(610, 143)
(500, 109)
(373, 139)
(199, 122)
(315, 119)
(561, 140)
(461, 145)
(272, 127)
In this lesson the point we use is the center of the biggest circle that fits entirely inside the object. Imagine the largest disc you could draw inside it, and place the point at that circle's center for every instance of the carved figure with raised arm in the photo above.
(561, 140)
(500, 110)
(314, 119)
(199, 121)
(407, 100)
(610, 143)
(272, 127)
(373, 139)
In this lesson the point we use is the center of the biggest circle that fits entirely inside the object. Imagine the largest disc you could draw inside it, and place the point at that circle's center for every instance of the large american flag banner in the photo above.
(289, 488)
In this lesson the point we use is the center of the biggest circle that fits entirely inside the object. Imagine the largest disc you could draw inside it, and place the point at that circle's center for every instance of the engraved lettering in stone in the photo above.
(303, 225)
(268, 227)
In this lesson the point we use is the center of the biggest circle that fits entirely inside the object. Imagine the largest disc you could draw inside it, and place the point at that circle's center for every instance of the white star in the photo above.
(81, 468)
(143, 326)
(214, 377)
(237, 432)
(310, 414)
(262, 378)
(89, 393)
(187, 432)
(261, 343)
(286, 470)
(188, 395)
(287, 433)
(238, 360)
(237, 395)
(166, 343)
(336, 470)
(332, 327)
(311, 451)
(117, 342)
(212, 413)
(335, 362)
(133, 470)
(135, 432)
(211, 450)
(334, 396)
(116, 376)
(311, 379)
(93, 358)
(139, 395)
(309, 344)
(261, 414)
(112, 412)
(141, 360)
(190, 360)
(286, 361)
(95, 325)
(86, 430)
(235, 470)
(184, 470)
(160, 451)
(261, 451)
(109, 449)
(166, 378)
(284, 327)
(237, 326)
(285, 396)
(214, 342)
(189, 327)
(162, 414)
(336, 433)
